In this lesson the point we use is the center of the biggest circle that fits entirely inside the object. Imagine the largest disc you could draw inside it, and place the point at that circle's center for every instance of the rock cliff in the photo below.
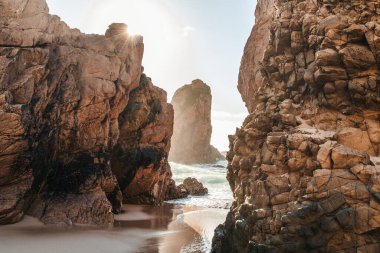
(305, 167)
(65, 98)
(140, 159)
(192, 125)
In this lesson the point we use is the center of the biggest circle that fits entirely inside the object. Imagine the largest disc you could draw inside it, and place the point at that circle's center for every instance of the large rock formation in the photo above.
(65, 98)
(140, 159)
(192, 125)
(305, 167)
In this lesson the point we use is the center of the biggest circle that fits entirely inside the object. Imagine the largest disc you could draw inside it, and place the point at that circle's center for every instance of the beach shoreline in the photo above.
(183, 225)
(148, 229)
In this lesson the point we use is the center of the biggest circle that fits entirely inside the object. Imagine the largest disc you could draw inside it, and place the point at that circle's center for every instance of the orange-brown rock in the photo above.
(190, 186)
(194, 187)
(176, 191)
(304, 166)
(140, 159)
(192, 125)
(64, 100)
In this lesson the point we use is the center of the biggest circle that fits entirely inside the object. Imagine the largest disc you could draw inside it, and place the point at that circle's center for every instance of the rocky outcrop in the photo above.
(65, 98)
(140, 159)
(176, 191)
(194, 187)
(192, 125)
(304, 167)
(190, 186)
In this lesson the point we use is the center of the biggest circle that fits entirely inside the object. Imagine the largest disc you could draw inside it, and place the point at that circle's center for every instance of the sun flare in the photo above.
(144, 17)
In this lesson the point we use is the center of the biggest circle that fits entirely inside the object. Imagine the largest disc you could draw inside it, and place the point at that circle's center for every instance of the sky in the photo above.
(184, 40)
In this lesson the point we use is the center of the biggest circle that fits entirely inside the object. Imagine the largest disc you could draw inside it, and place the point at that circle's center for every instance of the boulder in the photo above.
(194, 187)
(176, 192)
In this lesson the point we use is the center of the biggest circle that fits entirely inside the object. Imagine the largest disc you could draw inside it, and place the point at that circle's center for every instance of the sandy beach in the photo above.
(183, 225)
(139, 229)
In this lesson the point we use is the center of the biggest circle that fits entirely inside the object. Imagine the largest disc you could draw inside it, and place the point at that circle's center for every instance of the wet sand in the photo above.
(140, 229)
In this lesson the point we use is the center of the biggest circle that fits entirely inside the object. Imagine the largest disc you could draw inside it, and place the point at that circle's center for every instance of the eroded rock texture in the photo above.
(140, 159)
(61, 96)
(305, 165)
(190, 186)
(192, 125)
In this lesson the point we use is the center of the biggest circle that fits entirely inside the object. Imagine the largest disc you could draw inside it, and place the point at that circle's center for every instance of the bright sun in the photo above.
(145, 17)
(166, 36)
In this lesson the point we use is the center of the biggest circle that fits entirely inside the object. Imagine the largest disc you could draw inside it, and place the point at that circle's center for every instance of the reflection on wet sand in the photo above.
(187, 229)
(140, 229)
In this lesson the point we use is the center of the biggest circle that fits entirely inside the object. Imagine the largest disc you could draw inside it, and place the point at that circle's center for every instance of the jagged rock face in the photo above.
(140, 159)
(190, 186)
(61, 94)
(250, 75)
(304, 168)
(192, 125)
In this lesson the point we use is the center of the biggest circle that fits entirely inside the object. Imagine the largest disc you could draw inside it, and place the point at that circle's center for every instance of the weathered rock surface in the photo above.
(140, 159)
(192, 125)
(176, 191)
(194, 187)
(65, 98)
(190, 186)
(304, 168)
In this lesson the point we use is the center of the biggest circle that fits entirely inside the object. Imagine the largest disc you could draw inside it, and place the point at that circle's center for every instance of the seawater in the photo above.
(212, 176)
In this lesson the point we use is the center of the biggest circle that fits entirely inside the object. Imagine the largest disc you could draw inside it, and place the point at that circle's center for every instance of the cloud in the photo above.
(187, 30)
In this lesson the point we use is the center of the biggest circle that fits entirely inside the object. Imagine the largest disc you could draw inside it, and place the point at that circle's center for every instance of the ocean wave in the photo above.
(212, 177)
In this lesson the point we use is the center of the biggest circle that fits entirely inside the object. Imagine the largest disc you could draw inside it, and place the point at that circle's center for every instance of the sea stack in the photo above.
(305, 167)
(192, 125)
